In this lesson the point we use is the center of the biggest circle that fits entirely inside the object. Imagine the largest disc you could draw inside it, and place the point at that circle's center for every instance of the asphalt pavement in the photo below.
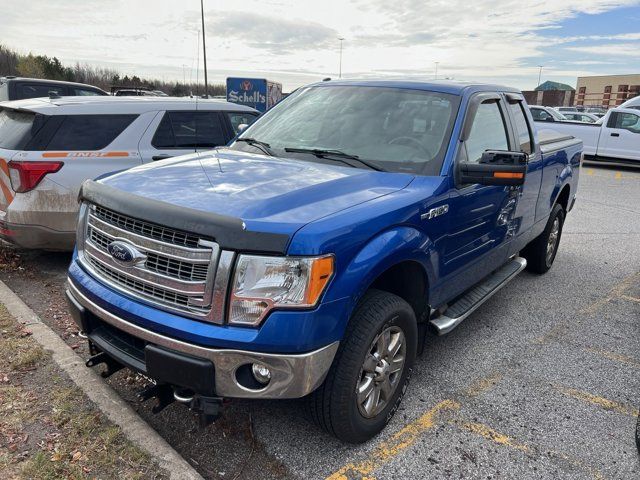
(540, 382)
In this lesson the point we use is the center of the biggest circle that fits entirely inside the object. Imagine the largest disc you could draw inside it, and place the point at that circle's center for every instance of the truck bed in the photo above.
(550, 140)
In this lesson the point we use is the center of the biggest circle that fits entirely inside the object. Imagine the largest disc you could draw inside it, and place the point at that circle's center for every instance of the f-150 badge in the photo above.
(434, 212)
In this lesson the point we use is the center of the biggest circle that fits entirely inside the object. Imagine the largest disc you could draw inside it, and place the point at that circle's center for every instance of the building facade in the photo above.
(549, 98)
(606, 91)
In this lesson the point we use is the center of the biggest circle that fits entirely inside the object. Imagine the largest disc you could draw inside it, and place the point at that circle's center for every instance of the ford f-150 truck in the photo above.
(615, 139)
(309, 258)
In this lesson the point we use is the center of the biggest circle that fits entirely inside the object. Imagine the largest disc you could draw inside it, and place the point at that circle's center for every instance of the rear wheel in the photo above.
(542, 250)
(371, 371)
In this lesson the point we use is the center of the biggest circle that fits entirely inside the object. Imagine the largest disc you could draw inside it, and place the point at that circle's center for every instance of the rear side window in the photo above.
(522, 127)
(239, 118)
(15, 129)
(89, 132)
(488, 132)
(35, 90)
(189, 130)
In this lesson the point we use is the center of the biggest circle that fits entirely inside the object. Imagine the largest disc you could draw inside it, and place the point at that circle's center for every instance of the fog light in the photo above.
(261, 373)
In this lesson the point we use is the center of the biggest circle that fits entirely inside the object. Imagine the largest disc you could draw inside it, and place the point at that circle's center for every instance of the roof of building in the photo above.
(549, 85)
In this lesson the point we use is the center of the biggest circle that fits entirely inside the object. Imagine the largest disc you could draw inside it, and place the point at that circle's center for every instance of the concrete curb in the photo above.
(107, 400)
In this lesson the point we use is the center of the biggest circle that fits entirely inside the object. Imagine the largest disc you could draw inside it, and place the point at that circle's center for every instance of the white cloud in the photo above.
(611, 50)
(296, 41)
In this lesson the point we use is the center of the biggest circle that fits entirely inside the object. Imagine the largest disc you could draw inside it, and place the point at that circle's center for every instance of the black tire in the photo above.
(539, 259)
(334, 405)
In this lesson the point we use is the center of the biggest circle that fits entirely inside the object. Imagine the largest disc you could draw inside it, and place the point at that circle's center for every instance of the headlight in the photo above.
(262, 283)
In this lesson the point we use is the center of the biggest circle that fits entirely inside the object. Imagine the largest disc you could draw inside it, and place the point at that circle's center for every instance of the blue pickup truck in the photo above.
(310, 256)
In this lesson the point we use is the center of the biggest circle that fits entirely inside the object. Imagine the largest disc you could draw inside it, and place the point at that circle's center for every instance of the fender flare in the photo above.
(388, 248)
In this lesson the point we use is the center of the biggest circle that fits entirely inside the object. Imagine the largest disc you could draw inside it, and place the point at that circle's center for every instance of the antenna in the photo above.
(204, 50)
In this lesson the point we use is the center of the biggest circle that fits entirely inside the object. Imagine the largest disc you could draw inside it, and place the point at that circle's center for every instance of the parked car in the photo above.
(581, 117)
(564, 110)
(18, 88)
(49, 146)
(310, 257)
(546, 114)
(615, 139)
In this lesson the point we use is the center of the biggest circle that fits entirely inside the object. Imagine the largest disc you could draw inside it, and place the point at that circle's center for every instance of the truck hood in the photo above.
(269, 194)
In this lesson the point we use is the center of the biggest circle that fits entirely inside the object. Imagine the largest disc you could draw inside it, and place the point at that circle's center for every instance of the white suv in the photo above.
(48, 147)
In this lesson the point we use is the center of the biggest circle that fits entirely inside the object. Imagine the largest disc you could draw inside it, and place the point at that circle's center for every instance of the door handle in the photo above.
(615, 134)
(160, 157)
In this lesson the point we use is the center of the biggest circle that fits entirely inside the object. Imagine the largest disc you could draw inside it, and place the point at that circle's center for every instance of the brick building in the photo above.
(606, 91)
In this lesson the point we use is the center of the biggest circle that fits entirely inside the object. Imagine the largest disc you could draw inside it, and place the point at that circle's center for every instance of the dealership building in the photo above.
(606, 91)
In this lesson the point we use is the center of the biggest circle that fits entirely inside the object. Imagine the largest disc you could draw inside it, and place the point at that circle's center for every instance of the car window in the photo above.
(488, 132)
(81, 92)
(34, 90)
(625, 121)
(539, 115)
(189, 130)
(522, 127)
(89, 132)
(238, 118)
(15, 128)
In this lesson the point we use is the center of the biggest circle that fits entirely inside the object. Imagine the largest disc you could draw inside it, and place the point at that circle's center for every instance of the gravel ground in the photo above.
(540, 382)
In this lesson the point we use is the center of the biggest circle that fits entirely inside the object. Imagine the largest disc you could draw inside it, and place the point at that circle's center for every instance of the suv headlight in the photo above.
(263, 283)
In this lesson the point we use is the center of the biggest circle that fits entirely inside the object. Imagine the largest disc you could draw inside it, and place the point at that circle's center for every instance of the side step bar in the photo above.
(476, 296)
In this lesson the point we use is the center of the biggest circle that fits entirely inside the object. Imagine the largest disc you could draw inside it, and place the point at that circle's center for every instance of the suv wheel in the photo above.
(371, 371)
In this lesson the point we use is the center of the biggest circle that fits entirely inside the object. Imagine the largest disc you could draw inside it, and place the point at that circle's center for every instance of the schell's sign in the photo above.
(253, 92)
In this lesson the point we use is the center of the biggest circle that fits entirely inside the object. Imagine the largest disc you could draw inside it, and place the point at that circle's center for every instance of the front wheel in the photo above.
(542, 250)
(371, 371)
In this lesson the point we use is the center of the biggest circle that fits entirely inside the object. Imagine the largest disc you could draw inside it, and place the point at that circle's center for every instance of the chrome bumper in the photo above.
(292, 376)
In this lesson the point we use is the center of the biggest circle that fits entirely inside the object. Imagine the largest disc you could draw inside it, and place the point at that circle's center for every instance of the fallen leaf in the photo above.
(76, 456)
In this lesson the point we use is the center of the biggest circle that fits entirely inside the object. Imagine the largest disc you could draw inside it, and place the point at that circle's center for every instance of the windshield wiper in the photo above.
(325, 153)
(264, 146)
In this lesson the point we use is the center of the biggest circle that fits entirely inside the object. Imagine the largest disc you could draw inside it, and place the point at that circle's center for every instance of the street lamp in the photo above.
(340, 71)
(540, 74)
(204, 51)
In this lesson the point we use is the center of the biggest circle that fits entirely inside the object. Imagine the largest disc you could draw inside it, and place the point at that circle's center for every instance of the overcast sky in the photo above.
(296, 41)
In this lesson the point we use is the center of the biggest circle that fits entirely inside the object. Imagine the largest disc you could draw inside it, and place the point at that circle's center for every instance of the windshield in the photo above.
(391, 129)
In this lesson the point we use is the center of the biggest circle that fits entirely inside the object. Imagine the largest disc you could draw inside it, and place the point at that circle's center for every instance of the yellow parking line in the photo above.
(615, 356)
(599, 401)
(496, 437)
(401, 440)
(483, 384)
(618, 175)
(615, 292)
(589, 171)
(630, 298)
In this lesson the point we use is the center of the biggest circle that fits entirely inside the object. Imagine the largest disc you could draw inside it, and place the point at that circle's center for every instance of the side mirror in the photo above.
(242, 127)
(496, 167)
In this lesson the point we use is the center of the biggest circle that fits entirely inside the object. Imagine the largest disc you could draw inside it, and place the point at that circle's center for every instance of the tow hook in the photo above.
(209, 409)
(112, 365)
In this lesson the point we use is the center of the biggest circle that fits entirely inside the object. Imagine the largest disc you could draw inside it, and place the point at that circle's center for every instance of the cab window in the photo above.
(625, 121)
(488, 132)
(522, 127)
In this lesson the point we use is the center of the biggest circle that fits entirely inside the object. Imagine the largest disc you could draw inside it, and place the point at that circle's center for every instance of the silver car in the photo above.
(49, 146)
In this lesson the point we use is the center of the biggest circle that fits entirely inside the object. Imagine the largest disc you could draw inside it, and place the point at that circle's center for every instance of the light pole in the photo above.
(540, 74)
(340, 71)
(204, 51)
(437, 70)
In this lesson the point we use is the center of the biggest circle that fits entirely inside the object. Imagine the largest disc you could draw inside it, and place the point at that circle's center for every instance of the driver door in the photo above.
(479, 214)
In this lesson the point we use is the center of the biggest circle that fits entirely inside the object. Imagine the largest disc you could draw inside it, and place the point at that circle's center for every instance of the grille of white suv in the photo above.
(176, 270)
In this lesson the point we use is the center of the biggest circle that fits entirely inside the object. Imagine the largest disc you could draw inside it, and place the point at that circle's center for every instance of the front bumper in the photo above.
(292, 375)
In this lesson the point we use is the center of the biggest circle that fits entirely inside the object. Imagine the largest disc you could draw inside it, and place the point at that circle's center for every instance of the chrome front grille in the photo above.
(146, 229)
(176, 270)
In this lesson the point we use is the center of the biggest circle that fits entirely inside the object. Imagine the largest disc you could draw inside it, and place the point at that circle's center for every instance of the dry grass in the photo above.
(48, 428)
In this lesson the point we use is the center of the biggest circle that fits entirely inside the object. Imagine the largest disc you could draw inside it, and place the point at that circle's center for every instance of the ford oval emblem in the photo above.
(124, 253)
